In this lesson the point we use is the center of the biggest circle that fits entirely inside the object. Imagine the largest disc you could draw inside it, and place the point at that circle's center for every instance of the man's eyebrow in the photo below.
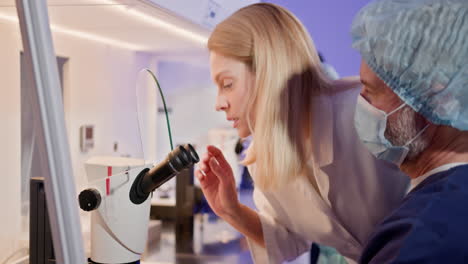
(371, 87)
(365, 82)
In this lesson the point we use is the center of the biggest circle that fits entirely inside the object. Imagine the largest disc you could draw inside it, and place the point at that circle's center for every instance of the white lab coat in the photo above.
(356, 191)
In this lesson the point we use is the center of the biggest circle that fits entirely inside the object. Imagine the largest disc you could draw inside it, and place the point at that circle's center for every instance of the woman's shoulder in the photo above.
(346, 84)
(346, 90)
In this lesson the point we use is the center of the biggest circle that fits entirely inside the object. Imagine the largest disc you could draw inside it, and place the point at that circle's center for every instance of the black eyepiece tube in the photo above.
(148, 180)
(193, 153)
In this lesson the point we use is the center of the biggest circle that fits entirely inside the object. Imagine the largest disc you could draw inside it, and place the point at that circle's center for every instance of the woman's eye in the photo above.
(227, 85)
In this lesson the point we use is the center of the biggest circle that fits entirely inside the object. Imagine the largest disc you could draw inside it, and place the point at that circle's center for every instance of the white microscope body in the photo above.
(119, 200)
(119, 228)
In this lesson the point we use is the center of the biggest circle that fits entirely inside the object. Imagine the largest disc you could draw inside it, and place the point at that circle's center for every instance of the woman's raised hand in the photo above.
(217, 182)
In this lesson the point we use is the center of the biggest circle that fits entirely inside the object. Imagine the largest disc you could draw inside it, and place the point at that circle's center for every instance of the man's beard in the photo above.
(403, 128)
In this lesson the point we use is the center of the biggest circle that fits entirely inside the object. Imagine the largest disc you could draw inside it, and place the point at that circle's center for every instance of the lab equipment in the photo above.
(117, 198)
(86, 138)
(41, 249)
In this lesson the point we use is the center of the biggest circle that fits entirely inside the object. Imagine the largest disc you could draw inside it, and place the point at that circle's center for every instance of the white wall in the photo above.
(10, 195)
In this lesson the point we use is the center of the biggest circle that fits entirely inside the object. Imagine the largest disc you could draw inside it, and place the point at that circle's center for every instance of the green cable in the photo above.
(165, 108)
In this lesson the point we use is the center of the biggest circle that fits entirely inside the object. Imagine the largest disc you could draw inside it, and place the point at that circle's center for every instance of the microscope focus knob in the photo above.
(89, 199)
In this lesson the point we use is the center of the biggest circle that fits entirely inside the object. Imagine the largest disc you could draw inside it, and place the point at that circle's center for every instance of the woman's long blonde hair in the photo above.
(275, 46)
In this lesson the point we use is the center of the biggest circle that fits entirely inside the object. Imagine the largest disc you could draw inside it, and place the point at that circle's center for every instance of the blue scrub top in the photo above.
(430, 226)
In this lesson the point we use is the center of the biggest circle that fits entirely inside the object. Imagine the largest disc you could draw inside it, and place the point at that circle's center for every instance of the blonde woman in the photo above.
(314, 181)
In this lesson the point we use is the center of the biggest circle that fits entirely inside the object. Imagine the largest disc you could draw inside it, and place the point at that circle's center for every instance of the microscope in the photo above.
(118, 197)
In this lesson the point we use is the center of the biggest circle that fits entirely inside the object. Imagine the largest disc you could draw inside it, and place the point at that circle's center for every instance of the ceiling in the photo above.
(143, 26)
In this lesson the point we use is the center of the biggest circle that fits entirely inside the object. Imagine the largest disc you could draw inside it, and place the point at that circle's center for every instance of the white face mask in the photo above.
(370, 123)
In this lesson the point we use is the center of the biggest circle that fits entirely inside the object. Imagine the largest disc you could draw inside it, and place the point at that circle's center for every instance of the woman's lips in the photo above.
(235, 122)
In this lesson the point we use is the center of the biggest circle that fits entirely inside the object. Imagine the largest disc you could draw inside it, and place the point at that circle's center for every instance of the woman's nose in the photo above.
(221, 103)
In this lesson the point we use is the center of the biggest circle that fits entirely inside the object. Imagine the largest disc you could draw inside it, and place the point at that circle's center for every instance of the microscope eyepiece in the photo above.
(179, 159)
(193, 153)
(150, 179)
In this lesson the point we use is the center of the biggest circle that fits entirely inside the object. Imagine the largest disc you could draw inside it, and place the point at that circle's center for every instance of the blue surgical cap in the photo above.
(419, 48)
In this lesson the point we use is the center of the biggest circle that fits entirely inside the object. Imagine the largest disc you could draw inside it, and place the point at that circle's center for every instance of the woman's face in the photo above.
(233, 79)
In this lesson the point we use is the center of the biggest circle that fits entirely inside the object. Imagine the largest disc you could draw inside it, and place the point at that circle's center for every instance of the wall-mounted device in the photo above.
(86, 138)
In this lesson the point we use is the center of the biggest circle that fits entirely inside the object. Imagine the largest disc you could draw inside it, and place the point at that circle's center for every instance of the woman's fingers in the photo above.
(223, 173)
(201, 174)
(219, 158)
(204, 167)
(214, 163)
(214, 151)
(206, 157)
(205, 178)
(202, 178)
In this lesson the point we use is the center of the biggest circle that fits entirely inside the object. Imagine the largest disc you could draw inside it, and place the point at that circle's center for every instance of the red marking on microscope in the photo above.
(109, 173)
